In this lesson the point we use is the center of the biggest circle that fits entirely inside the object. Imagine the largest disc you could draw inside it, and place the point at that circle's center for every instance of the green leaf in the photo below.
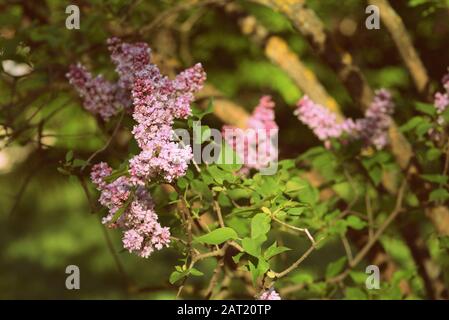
(237, 257)
(444, 242)
(220, 175)
(177, 275)
(302, 189)
(355, 294)
(411, 124)
(345, 191)
(182, 183)
(63, 171)
(436, 178)
(439, 195)
(433, 154)
(200, 113)
(239, 193)
(120, 211)
(202, 189)
(358, 277)
(355, 222)
(254, 272)
(296, 211)
(426, 108)
(309, 195)
(260, 225)
(423, 128)
(252, 246)
(338, 227)
(295, 186)
(262, 266)
(274, 250)
(79, 163)
(375, 174)
(116, 174)
(69, 156)
(218, 236)
(223, 200)
(196, 272)
(335, 267)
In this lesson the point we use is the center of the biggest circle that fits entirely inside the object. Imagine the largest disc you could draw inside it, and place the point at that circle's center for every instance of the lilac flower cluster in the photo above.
(270, 294)
(372, 128)
(441, 100)
(254, 145)
(142, 233)
(129, 59)
(321, 120)
(157, 102)
(101, 97)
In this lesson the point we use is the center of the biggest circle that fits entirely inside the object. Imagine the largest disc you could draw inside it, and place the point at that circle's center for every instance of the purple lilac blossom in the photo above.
(372, 129)
(157, 102)
(100, 97)
(142, 233)
(270, 294)
(441, 101)
(254, 144)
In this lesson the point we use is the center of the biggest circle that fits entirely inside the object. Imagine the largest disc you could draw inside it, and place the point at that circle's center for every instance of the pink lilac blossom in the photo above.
(270, 295)
(99, 172)
(254, 145)
(142, 233)
(321, 120)
(158, 102)
(129, 58)
(372, 129)
(441, 101)
(100, 97)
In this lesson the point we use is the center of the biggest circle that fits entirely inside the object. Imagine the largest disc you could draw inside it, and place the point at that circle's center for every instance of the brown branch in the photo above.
(404, 44)
(323, 43)
(379, 232)
(278, 51)
(219, 215)
(114, 133)
(295, 264)
(321, 40)
(185, 5)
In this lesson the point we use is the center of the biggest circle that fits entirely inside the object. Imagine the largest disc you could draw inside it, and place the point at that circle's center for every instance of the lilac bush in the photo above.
(218, 206)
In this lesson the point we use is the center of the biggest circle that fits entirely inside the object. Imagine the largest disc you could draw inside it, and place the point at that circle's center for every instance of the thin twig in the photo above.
(107, 143)
(219, 215)
(297, 262)
(369, 212)
(304, 230)
(347, 247)
(364, 251)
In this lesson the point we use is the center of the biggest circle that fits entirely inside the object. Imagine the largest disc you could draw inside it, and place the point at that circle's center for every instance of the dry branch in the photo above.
(404, 44)
(312, 28)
